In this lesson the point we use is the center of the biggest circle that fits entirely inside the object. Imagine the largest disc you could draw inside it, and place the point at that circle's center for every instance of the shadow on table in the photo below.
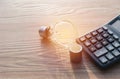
(46, 43)
(59, 62)
(86, 69)
(79, 70)
(109, 73)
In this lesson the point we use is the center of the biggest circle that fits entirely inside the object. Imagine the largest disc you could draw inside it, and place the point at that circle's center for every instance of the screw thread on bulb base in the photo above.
(45, 32)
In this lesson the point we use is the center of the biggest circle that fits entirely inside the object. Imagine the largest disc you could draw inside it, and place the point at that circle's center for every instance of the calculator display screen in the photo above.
(116, 25)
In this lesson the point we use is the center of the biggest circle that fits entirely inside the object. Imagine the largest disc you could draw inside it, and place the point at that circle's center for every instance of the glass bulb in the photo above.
(64, 32)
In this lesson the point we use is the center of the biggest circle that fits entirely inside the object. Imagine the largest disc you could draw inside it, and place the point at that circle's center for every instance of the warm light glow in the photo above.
(74, 47)
(64, 32)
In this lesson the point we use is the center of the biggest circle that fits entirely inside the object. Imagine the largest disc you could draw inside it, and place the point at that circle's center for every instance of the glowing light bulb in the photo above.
(64, 33)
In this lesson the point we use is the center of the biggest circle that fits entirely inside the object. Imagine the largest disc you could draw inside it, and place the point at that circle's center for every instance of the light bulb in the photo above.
(64, 33)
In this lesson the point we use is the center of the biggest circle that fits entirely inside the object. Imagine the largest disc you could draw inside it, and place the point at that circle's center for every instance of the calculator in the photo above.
(103, 43)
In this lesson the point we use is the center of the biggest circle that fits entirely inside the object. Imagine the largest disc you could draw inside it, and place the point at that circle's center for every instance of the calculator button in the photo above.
(119, 40)
(103, 59)
(82, 38)
(98, 45)
(116, 44)
(100, 52)
(88, 36)
(110, 32)
(99, 37)
(94, 33)
(92, 48)
(116, 52)
(105, 35)
(119, 48)
(87, 43)
(93, 40)
(105, 28)
(109, 47)
(115, 36)
(110, 39)
(104, 42)
(100, 30)
(109, 56)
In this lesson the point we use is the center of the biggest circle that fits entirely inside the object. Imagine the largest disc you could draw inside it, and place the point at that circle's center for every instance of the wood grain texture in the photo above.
(24, 56)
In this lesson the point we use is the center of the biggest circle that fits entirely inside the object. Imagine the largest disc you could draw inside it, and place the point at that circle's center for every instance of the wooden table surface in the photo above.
(23, 55)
